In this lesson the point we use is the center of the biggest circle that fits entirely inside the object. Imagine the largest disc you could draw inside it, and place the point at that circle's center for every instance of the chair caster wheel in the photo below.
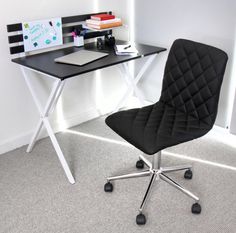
(188, 174)
(140, 164)
(108, 187)
(196, 208)
(141, 219)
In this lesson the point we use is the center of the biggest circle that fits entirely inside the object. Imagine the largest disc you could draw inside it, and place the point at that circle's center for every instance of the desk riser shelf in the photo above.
(67, 28)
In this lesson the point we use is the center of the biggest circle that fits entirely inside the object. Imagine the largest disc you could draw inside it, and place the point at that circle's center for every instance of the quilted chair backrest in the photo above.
(192, 79)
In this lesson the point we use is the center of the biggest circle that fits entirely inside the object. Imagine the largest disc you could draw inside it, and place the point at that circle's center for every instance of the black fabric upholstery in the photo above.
(188, 104)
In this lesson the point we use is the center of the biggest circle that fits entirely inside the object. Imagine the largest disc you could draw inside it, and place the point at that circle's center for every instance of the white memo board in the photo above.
(42, 34)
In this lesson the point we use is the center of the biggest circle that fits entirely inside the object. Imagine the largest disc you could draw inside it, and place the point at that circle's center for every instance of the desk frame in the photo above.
(53, 98)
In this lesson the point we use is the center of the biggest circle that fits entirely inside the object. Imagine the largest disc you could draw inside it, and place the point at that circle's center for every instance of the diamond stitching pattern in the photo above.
(188, 104)
(196, 65)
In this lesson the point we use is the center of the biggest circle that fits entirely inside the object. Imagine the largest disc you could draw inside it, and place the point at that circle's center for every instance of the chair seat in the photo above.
(156, 127)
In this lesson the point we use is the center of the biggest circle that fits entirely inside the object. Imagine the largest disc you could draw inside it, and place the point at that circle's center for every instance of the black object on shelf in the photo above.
(100, 44)
(110, 40)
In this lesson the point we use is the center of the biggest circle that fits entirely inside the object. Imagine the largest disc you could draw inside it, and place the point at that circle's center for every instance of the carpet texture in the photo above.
(35, 195)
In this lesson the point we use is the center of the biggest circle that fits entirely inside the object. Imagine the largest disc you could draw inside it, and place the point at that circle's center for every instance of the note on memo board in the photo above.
(42, 34)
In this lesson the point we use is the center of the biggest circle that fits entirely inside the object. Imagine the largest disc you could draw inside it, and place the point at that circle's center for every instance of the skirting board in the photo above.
(79, 118)
(24, 139)
(69, 121)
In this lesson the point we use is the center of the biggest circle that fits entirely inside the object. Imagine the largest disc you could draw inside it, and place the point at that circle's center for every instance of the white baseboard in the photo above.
(15, 142)
(70, 121)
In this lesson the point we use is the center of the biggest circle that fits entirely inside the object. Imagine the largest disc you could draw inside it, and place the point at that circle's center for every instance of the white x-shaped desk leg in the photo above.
(44, 113)
(132, 82)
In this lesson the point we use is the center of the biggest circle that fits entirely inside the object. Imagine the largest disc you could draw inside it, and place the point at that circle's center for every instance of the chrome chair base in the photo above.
(157, 173)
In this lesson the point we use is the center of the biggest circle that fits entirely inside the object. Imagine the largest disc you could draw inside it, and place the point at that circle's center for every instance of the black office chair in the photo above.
(186, 110)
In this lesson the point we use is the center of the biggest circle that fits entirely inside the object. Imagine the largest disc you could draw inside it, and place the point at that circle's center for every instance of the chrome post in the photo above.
(156, 160)
(159, 159)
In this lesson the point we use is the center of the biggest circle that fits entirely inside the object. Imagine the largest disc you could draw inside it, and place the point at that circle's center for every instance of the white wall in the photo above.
(233, 116)
(160, 22)
(81, 97)
(233, 121)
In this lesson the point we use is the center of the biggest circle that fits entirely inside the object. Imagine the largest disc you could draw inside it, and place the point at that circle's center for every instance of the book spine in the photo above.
(103, 26)
(100, 18)
(110, 25)
(93, 26)
(96, 22)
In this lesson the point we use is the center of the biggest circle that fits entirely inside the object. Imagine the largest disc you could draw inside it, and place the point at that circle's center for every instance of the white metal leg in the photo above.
(132, 82)
(57, 96)
(44, 113)
(51, 107)
(36, 101)
(132, 88)
(58, 151)
(35, 136)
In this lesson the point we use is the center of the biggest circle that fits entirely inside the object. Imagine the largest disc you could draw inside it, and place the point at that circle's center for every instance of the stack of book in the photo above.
(103, 21)
(126, 50)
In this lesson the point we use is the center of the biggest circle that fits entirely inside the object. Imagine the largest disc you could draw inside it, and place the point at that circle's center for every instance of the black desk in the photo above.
(43, 63)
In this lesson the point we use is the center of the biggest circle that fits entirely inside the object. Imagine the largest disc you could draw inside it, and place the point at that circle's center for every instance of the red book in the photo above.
(102, 17)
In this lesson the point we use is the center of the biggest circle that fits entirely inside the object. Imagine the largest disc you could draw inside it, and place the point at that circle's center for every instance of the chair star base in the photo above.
(157, 173)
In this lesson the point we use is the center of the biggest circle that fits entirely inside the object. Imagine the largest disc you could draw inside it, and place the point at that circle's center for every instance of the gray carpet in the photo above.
(35, 195)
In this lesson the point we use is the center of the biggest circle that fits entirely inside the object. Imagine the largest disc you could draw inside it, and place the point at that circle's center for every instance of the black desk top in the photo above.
(44, 62)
